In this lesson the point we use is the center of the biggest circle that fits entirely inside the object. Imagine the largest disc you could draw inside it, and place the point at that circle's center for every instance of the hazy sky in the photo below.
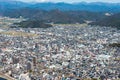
(72, 1)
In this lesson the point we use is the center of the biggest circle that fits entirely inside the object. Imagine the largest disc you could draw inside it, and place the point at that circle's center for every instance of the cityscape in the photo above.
(59, 39)
(61, 52)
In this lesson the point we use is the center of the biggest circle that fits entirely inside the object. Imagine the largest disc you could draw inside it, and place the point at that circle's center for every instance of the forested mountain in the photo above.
(55, 16)
(63, 12)
(94, 6)
(113, 21)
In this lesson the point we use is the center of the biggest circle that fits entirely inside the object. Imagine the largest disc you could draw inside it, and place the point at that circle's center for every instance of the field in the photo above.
(18, 33)
(71, 25)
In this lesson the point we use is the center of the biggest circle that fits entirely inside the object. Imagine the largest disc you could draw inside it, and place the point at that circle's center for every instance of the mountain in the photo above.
(94, 7)
(6, 5)
(63, 12)
(55, 16)
(113, 21)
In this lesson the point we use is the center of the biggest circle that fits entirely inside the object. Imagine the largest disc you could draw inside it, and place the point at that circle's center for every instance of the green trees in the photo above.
(33, 24)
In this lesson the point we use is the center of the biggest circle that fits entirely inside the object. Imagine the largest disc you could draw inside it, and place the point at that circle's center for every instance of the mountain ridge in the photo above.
(99, 13)
(93, 6)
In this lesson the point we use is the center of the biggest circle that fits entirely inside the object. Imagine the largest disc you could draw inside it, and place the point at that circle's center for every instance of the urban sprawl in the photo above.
(61, 52)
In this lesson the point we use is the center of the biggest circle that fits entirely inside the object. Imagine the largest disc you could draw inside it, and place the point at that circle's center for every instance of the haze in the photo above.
(72, 1)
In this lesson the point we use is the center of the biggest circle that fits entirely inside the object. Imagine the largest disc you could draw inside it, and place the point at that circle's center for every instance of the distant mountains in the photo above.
(94, 7)
(55, 16)
(97, 13)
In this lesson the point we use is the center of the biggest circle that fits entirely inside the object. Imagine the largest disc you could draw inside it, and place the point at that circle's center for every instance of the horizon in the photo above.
(69, 1)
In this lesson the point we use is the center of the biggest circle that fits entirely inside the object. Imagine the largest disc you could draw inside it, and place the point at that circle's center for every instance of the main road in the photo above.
(6, 76)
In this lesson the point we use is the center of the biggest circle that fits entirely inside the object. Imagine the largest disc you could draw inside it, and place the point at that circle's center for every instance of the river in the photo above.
(2, 78)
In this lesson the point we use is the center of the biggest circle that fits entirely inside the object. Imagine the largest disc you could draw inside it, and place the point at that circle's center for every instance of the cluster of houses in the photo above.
(61, 53)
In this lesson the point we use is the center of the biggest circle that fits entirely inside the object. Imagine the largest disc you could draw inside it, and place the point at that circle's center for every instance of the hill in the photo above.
(84, 6)
(113, 21)
(63, 12)
(55, 16)
(94, 6)
(32, 24)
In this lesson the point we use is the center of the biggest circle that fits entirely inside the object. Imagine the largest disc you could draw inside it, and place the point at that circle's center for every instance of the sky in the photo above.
(72, 1)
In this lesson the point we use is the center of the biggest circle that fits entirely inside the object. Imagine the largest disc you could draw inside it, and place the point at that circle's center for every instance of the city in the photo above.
(61, 52)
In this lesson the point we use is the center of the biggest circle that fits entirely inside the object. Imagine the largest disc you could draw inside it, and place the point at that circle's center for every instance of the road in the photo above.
(6, 76)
